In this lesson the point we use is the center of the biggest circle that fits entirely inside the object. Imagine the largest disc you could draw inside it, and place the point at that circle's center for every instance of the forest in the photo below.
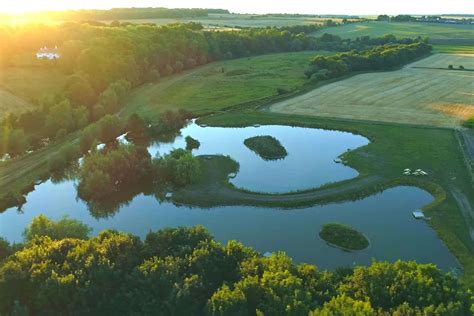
(184, 271)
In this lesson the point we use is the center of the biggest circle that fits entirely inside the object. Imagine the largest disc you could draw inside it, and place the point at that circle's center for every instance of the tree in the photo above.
(110, 128)
(80, 91)
(136, 127)
(64, 228)
(16, 142)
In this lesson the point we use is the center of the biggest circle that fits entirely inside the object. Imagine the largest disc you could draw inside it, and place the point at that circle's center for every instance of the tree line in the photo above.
(184, 271)
(127, 14)
(383, 57)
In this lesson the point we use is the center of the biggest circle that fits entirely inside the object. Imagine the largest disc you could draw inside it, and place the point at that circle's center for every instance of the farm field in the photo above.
(239, 20)
(401, 29)
(222, 85)
(454, 49)
(411, 95)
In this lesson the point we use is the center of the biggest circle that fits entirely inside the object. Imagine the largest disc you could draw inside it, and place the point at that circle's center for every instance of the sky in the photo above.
(349, 7)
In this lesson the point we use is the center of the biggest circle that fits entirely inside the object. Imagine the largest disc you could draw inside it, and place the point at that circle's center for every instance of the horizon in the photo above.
(335, 7)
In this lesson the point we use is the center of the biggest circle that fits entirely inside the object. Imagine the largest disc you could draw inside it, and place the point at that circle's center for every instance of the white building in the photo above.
(48, 53)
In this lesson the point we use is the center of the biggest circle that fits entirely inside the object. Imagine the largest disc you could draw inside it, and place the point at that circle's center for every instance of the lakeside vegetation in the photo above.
(267, 147)
(185, 271)
(344, 237)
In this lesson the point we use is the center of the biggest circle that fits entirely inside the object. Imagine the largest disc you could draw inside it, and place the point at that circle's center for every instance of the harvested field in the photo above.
(444, 60)
(419, 96)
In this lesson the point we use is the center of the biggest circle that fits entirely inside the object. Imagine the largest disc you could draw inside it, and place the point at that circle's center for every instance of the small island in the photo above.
(267, 147)
(344, 237)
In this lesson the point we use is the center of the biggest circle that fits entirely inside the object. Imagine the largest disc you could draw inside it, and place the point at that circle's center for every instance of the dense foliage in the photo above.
(381, 57)
(109, 171)
(191, 143)
(183, 271)
(178, 168)
(469, 123)
(343, 236)
(63, 228)
(267, 147)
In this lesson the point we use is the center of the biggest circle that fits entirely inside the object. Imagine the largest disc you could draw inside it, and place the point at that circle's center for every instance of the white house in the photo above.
(48, 53)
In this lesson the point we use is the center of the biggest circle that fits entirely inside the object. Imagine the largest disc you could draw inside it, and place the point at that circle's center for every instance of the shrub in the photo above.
(191, 143)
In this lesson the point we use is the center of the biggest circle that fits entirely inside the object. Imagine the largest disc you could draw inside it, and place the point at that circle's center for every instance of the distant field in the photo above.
(12, 103)
(31, 83)
(454, 49)
(411, 95)
(222, 84)
(239, 20)
(444, 60)
(377, 29)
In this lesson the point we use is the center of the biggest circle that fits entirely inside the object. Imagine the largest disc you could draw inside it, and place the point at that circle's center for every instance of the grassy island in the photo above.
(267, 147)
(343, 236)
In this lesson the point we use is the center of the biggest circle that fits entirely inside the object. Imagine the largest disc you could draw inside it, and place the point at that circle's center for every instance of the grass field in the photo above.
(11, 103)
(454, 49)
(411, 95)
(239, 20)
(31, 83)
(221, 85)
(377, 29)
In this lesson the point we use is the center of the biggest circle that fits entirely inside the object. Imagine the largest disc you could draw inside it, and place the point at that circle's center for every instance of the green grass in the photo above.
(32, 82)
(435, 31)
(343, 236)
(267, 147)
(221, 85)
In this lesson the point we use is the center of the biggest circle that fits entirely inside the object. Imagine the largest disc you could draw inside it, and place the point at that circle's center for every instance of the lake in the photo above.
(385, 218)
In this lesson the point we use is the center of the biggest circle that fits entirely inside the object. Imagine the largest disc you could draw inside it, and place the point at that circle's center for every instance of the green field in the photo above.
(401, 29)
(411, 95)
(10, 103)
(454, 49)
(32, 82)
(239, 20)
(222, 85)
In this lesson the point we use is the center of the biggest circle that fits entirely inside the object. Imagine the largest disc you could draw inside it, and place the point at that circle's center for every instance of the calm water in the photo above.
(385, 218)
(309, 164)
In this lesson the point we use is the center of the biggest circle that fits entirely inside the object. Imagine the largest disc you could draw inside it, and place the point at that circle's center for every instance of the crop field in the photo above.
(239, 20)
(454, 49)
(432, 97)
(444, 60)
(221, 85)
(401, 29)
